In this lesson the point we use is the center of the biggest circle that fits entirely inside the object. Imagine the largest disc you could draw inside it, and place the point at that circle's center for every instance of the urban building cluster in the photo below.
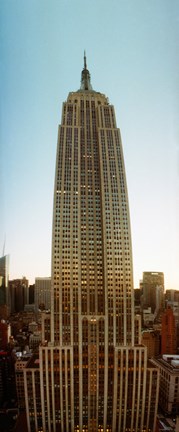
(22, 326)
(82, 350)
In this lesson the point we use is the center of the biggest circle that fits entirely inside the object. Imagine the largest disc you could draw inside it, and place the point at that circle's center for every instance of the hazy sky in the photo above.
(132, 51)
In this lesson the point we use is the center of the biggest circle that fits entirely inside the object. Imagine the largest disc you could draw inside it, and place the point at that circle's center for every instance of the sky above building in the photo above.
(132, 55)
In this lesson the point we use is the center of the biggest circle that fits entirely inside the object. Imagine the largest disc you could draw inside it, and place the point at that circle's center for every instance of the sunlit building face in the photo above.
(93, 373)
(91, 254)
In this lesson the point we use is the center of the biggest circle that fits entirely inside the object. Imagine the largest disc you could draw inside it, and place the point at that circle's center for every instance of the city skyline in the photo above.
(40, 62)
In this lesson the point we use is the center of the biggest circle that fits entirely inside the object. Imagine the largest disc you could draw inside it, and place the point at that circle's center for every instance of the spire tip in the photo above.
(85, 77)
(85, 65)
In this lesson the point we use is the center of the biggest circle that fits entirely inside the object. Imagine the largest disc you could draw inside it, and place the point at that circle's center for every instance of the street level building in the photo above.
(169, 383)
(94, 374)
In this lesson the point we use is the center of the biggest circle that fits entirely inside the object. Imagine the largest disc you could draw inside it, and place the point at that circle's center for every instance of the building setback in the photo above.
(94, 375)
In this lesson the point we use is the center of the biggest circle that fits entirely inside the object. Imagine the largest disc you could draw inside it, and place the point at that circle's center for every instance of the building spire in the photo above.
(85, 65)
(85, 77)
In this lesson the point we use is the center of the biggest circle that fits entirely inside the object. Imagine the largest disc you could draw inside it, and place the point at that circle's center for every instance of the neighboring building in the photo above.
(167, 424)
(5, 333)
(29, 308)
(7, 379)
(138, 330)
(4, 312)
(34, 340)
(172, 301)
(19, 294)
(33, 326)
(168, 333)
(20, 321)
(174, 305)
(148, 317)
(171, 295)
(31, 293)
(93, 374)
(137, 301)
(45, 325)
(169, 383)
(152, 286)
(42, 293)
(4, 279)
(20, 364)
(32, 387)
(152, 340)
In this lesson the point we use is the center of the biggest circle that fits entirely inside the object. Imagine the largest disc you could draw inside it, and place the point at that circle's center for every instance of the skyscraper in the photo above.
(42, 293)
(93, 374)
(18, 291)
(152, 286)
(4, 278)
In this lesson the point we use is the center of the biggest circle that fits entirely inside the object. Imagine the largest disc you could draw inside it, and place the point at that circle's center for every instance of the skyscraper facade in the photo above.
(93, 373)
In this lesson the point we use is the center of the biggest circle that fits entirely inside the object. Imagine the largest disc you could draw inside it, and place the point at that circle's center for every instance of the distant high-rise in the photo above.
(152, 286)
(18, 290)
(42, 293)
(4, 279)
(93, 373)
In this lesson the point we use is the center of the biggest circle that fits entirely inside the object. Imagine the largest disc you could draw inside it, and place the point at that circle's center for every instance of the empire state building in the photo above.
(93, 372)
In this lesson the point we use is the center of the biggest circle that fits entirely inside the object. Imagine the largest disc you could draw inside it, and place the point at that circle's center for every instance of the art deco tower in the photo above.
(93, 373)
(91, 251)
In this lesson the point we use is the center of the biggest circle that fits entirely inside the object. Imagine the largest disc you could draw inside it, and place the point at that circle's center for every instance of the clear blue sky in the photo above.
(132, 51)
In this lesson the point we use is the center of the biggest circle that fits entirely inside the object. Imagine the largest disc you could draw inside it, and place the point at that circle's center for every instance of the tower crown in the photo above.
(85, 77)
